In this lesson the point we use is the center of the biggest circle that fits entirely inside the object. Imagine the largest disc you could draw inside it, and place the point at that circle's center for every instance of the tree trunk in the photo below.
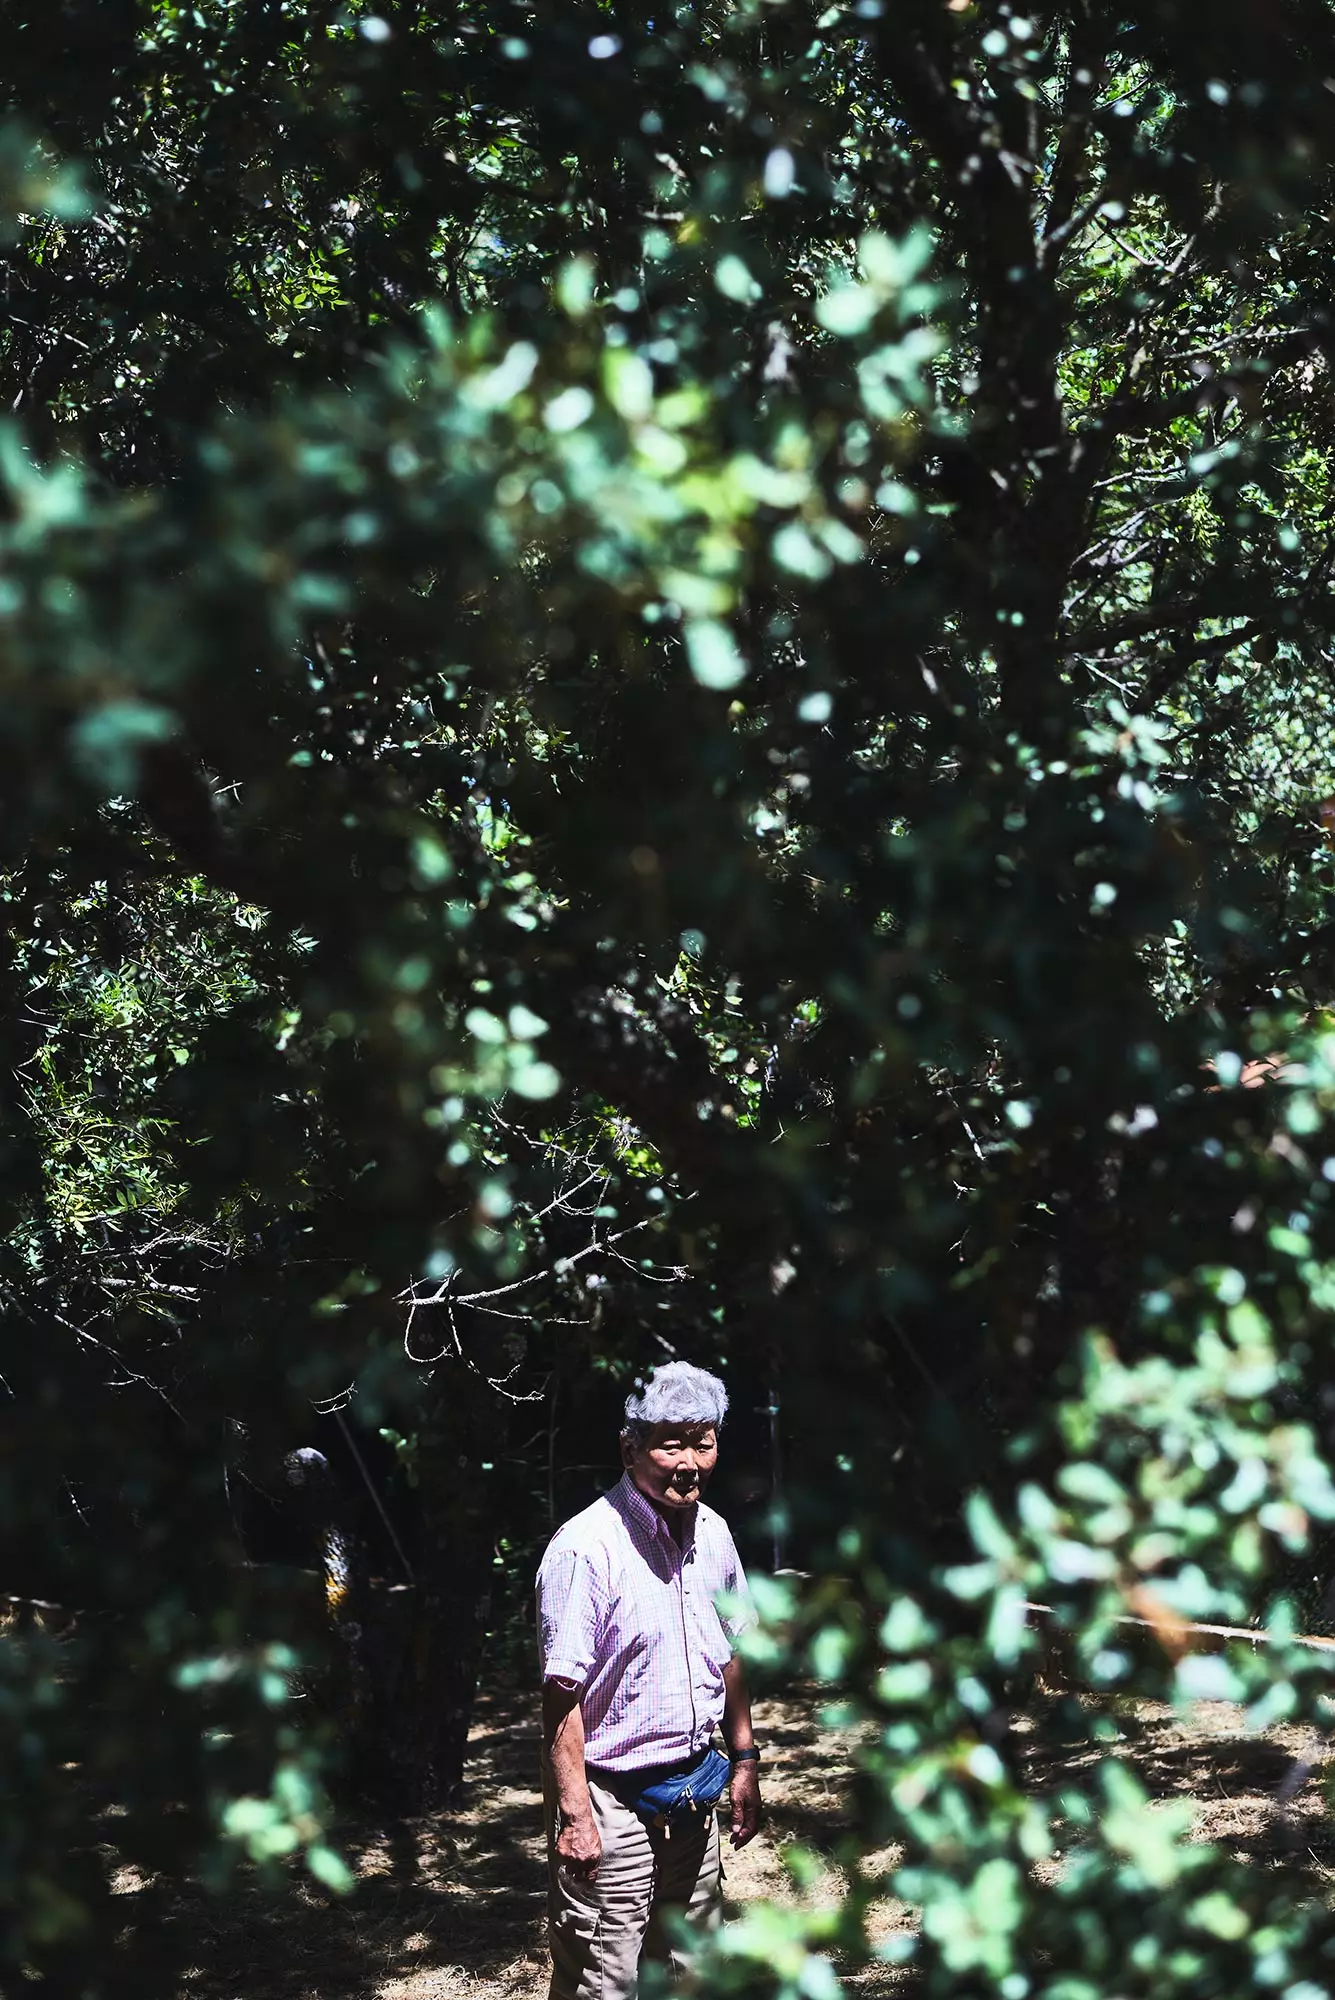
(460, 1439)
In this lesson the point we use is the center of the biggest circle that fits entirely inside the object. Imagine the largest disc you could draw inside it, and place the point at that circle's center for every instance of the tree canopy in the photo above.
(667, 689)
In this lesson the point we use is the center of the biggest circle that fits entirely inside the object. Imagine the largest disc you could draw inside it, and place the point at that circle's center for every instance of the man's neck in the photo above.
(674, 1519)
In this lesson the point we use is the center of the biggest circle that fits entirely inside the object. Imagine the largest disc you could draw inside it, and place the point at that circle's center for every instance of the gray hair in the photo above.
(677, 1393)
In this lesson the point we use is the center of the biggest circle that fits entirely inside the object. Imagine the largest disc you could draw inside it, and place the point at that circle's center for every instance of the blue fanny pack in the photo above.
(674, 1799)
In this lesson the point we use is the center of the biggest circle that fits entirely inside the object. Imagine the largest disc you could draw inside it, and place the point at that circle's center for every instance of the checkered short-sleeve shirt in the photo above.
(631, 1618)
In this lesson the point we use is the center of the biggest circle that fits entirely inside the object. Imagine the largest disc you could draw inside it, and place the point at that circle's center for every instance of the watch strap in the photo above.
(751, 1756)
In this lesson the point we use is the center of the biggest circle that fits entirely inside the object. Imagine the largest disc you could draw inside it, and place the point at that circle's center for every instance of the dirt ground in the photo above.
(452, 1908)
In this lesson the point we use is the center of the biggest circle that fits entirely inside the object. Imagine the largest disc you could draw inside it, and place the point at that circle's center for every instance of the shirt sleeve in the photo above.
(571, 1615)
(737, 1613)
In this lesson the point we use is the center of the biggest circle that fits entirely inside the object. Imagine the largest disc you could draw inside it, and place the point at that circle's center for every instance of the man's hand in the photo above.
(579, 1850)
(745, 1795)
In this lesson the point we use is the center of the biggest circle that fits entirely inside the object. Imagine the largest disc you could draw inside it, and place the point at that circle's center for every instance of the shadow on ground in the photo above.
(446, 1907)
(1258, 1796)
(451, 1907)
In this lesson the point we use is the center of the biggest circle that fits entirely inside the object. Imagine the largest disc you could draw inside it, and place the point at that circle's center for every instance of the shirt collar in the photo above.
(634, 1505)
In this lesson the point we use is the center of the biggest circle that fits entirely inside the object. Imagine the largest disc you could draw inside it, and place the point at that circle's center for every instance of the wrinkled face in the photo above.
(673, 1465)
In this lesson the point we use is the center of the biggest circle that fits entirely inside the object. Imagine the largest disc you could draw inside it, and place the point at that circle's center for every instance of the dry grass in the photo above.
(452, 1908)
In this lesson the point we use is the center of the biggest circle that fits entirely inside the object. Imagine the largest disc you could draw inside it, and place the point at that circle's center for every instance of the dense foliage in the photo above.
(666, 689)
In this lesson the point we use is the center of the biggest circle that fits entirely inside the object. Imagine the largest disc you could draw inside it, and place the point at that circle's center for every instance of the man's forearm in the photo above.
(563, 1731)
(745, 1786)
(736, 1706)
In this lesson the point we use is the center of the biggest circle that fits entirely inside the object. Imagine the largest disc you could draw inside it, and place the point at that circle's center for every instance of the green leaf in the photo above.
(848, 310)
(330, 1869)
(107, 744)
(712, 651)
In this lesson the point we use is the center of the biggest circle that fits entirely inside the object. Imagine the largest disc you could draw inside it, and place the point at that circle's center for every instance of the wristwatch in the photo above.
(751, 1756)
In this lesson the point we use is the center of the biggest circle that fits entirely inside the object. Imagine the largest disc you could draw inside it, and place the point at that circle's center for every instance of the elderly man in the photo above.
(638, 1671)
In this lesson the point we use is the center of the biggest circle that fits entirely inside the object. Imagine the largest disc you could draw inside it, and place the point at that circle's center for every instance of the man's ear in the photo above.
(627, 1451)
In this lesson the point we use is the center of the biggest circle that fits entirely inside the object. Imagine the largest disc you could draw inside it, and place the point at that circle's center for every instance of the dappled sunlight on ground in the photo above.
(451, 1908)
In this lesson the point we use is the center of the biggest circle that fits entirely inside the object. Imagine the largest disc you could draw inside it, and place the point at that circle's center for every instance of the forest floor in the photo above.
(451, 1908)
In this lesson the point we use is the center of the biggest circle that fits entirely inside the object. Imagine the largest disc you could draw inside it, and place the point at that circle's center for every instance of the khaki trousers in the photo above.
(601, 1931)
